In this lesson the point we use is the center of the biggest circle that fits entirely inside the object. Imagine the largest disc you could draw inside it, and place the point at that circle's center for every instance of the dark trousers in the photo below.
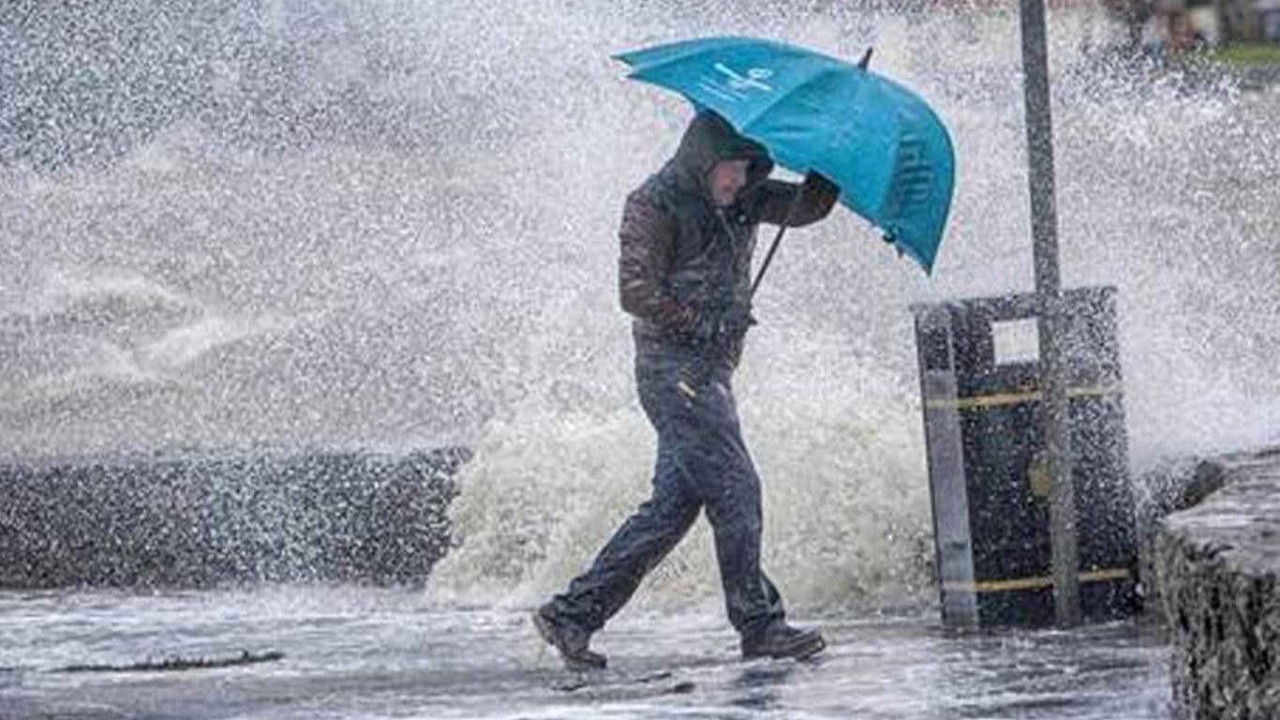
(702, 463)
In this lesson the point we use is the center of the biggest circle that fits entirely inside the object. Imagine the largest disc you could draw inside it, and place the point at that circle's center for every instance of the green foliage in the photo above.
(1248, 54)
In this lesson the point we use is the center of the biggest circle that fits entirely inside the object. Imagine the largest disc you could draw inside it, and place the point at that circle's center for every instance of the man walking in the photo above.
(687, 237)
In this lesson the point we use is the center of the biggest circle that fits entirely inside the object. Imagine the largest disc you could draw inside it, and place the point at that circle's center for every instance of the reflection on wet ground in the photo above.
(354, 652)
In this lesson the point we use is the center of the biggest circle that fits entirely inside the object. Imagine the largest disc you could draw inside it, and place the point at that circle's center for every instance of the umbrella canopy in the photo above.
(881, 144)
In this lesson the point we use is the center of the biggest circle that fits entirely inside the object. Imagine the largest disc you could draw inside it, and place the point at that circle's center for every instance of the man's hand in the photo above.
(718, 326)
(735, 322)
(818, 186)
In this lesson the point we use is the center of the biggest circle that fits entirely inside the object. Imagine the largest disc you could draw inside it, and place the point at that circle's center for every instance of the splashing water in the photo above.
(370, 223)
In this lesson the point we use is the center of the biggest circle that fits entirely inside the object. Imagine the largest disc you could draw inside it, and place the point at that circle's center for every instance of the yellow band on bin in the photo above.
(1033, 583)
(996, 399)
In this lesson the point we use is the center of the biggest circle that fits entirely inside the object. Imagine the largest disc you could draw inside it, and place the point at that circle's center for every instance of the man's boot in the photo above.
(780, 640)
(568, 638)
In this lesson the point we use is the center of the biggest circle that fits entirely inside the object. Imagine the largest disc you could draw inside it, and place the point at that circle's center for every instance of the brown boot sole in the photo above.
(800, 651)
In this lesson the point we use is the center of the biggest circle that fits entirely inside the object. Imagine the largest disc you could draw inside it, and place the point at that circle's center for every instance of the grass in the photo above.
(1248, 53)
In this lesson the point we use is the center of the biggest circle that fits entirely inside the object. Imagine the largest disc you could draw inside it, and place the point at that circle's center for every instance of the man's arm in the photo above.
(817, 196)
(648, 247)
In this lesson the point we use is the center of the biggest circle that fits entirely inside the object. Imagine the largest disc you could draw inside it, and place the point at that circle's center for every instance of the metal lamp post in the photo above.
(1053, 386)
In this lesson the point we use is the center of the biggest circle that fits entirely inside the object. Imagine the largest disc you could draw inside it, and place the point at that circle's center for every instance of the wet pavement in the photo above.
(365, 653)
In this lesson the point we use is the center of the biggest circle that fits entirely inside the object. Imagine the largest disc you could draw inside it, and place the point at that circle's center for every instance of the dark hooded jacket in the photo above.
(682, 256)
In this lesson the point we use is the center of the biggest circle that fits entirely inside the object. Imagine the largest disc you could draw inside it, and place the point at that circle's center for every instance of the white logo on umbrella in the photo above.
(754, 78)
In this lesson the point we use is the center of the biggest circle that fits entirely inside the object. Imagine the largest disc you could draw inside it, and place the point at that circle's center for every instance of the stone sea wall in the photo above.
(198, 521)
(1217, 565)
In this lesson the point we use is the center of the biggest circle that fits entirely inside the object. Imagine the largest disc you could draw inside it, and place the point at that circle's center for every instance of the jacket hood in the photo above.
(710, 139)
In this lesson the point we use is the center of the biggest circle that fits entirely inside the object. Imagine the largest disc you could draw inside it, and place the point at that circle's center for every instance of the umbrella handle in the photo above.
(777, 239)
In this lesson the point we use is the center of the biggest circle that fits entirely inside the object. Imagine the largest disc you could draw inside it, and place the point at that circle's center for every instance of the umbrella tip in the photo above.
(866, 59)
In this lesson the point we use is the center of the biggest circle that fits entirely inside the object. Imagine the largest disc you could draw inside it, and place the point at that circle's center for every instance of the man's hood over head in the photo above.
(710, 139)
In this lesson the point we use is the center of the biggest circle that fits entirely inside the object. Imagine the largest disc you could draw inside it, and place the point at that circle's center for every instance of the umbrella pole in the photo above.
(777, 239)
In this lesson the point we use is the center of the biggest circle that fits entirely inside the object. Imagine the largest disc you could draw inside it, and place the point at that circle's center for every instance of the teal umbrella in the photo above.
(881, 144)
